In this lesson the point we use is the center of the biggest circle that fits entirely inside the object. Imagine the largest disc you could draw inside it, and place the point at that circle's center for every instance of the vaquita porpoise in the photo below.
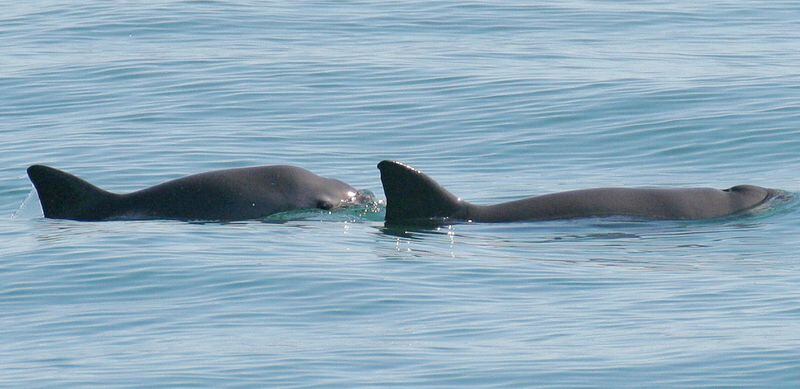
(222, 195)
(412, 196)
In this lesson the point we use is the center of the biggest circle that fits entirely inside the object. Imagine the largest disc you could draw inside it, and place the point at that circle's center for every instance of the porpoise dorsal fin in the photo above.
(412, 196)
(64, 196)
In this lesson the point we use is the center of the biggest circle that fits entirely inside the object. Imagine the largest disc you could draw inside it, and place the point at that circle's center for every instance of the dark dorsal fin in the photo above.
(64, 196)
(413, 197)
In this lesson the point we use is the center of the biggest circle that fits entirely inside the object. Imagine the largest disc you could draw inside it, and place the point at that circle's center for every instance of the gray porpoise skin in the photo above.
(223, 195)
(412, 196)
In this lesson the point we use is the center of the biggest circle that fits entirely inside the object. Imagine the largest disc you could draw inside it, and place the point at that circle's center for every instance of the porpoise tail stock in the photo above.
(222, 195)
(414, 198)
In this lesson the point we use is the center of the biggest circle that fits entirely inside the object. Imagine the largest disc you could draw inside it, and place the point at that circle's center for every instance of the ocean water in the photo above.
(495, 100)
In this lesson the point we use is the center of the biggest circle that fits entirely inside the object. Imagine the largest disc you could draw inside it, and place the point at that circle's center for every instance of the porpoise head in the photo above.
(336, 194)
(748, 196)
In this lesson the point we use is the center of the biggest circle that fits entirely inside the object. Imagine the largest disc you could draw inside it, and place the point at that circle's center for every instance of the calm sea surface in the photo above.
(495, 100)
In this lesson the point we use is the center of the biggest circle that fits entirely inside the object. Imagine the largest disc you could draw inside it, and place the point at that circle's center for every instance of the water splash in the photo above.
(372, 211)
(30, 207)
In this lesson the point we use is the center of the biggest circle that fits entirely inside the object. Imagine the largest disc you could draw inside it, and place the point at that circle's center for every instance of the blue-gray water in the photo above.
(497, 101)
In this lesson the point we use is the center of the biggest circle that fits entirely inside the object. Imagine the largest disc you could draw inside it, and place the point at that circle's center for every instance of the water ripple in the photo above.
(496, 101)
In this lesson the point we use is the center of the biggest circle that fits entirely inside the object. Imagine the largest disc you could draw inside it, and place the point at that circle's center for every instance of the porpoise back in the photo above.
(222, 195)
(413, 197)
